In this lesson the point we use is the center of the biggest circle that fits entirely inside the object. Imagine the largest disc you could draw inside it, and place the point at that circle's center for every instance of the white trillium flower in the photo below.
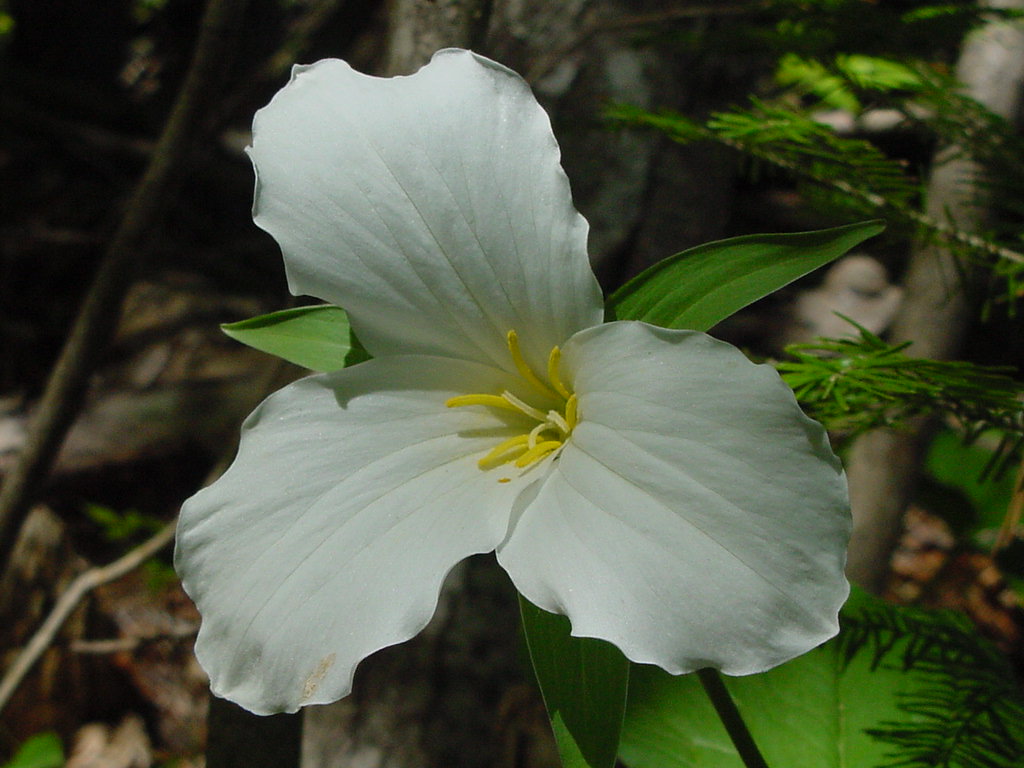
(655, 486)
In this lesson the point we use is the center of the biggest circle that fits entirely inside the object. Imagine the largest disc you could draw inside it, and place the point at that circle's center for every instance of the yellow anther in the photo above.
(524, 369)
(553, 361)
(552, 428)
(538, 452)
(492, 401)
(571, 413)
(500, 454)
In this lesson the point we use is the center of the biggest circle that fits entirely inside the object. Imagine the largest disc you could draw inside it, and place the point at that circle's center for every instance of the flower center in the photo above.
(552, 429)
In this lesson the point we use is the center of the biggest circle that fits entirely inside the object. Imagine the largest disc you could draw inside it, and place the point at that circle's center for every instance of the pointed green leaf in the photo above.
(584, 684)
(702, 286)
(898, 687)
(317, 337)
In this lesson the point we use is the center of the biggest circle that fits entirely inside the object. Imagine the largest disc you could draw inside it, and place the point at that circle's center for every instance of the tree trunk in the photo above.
(884, 465)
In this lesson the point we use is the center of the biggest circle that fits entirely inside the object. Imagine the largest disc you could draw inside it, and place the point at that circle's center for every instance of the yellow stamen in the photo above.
(571, 413)
(535, 433)
(558, 420)
(553, 360)
(552, 428)
(524, 369)
(499, 455)
(492, 401)
(538, 452)
(519, 405)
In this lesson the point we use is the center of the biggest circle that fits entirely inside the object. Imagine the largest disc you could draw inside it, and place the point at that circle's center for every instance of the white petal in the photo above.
(353, 494)
(431, 207)
(696, 518)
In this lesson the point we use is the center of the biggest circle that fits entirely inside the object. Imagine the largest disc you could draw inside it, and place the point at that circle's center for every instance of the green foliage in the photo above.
(838, 86)
(122, 526)
(318, 337)
(144, 10)
(784, 137)
(976, 503)
(811, 76)
(127, 528)
(702, 286)
(931, 105)
(909, 29)
(897, 687)
(859, 383)
(44, 750)
(851, 176)
(966, 712)
(916, 28)
(584, 682)
(959, 472)
(158, 575)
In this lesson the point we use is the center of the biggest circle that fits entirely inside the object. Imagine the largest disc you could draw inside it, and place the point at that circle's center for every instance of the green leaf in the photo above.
(959, 472)
(899, 686)
(584, 684)
(702, 286)
(877, 73)
(811, 76)
(317, 337)
(44, 750)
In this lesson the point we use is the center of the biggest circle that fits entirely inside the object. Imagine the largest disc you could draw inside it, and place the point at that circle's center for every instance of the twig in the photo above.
(946, 231)
(949, 232)
(1009, 530)
(677, 14)
(69, 600)
(298, 37)
(96, 577)
(98, 314)
(604, 24)
(126, 644)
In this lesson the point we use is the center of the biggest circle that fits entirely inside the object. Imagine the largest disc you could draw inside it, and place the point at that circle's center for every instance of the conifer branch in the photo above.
(810, 151)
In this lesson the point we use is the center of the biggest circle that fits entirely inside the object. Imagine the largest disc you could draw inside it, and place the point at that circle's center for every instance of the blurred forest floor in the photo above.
(86, 88)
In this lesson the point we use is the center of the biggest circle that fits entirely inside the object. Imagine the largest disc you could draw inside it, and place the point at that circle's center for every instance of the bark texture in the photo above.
(419, 27)
(884, 465)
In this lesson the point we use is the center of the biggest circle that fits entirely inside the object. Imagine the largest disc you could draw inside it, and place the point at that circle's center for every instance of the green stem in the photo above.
(731, 718)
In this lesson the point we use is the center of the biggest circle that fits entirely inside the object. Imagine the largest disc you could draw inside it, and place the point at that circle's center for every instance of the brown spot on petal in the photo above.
(317, 676)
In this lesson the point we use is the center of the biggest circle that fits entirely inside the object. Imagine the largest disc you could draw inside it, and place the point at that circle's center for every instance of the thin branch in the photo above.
(612, 24)
(70, 599)
(943, 230)
(1010, 528)
(127, 644)
(676, 14)
(98, 315)
(264, 381)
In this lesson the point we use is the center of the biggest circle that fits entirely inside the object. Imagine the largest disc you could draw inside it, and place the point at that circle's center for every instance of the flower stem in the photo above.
(731, 718)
